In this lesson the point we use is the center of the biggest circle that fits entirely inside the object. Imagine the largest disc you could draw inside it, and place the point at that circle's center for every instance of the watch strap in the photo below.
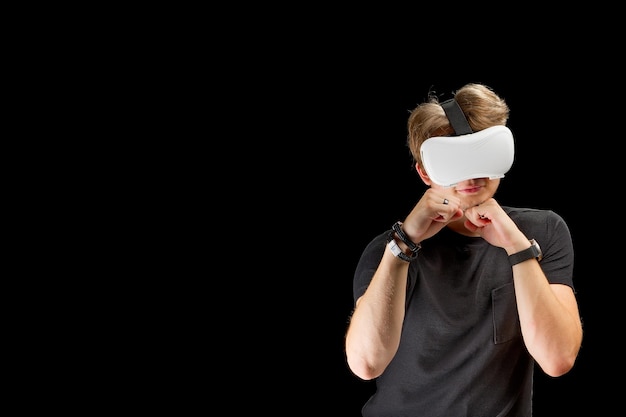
(532, 252)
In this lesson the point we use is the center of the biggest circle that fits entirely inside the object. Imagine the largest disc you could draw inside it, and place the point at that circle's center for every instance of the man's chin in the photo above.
(471, 202)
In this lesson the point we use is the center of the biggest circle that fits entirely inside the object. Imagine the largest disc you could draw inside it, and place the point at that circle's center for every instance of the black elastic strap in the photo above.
(457, 118)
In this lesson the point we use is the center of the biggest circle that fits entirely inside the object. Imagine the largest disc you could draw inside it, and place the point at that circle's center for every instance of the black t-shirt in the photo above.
(461, 352)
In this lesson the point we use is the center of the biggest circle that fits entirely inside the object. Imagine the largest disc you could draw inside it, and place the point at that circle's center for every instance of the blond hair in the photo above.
(482, 107)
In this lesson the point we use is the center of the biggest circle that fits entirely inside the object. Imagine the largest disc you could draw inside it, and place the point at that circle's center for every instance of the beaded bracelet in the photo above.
(395, 249)
(414, 247)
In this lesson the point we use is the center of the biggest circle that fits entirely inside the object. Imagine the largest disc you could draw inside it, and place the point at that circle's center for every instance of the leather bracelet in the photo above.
(396, 250)
(414, 247)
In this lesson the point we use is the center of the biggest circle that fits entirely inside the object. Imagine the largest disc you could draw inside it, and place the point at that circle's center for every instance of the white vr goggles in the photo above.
(449, 160)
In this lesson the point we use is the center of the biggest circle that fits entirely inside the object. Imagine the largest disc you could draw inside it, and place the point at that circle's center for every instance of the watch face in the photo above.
(538, 253)
(395, 249)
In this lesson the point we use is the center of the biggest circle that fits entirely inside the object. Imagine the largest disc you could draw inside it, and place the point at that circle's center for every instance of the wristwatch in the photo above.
(533, 252)
(396, 250)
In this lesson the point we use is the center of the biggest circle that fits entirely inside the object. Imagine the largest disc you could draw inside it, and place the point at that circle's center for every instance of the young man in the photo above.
(456, 303)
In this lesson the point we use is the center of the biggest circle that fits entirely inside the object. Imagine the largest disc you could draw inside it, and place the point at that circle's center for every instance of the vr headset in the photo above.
(449, 160)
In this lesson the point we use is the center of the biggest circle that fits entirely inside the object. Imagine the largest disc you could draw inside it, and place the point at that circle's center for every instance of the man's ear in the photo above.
(423, 175)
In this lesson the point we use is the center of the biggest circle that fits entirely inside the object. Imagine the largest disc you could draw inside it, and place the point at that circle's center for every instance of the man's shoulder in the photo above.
(535, 219)
(529, 212)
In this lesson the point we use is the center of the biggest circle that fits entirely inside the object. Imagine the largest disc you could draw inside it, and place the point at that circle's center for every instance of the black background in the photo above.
(300, 125)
